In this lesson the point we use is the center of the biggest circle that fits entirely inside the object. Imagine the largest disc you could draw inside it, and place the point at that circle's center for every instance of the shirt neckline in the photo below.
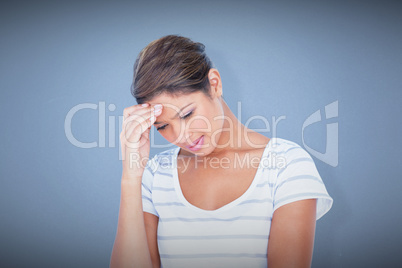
(227, 206)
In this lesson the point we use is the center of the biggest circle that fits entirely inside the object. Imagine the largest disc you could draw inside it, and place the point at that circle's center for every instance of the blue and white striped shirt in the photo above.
(237, 234)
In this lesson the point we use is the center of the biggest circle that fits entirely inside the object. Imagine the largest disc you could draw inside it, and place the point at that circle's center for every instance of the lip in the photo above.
(197, 144)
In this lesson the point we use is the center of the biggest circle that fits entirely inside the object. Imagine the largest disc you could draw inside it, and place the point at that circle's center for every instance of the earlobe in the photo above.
(215, 88)
(214, 81)
(213, 76)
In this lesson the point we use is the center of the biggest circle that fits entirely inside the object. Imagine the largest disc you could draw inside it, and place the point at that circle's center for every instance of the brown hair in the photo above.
(171, 64)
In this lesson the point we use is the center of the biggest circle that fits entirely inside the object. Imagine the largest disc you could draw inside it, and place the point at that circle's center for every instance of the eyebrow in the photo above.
(156, 123)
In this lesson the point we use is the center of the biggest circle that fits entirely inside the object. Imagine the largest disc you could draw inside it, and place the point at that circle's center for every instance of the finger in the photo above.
(134, 131)
(135, 116)
(132, 109)
(138, 134)
(143, 124)
(147, 113)
(145, 135)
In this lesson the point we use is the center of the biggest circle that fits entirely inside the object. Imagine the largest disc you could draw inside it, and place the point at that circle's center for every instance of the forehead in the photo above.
(177, 100)
(173, 104)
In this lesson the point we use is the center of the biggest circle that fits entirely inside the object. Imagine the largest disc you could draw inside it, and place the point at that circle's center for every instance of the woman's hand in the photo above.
(134, 138)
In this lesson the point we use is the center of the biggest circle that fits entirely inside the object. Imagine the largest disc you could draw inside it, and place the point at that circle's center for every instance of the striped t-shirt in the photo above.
(237, 234)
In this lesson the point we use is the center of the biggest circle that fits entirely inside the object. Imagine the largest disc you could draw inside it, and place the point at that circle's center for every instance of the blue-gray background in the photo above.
(59, 203)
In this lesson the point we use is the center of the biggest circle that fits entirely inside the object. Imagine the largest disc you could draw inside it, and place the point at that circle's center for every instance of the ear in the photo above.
(215, 82)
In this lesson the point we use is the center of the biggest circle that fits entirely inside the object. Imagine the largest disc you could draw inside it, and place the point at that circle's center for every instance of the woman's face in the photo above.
(189, 118)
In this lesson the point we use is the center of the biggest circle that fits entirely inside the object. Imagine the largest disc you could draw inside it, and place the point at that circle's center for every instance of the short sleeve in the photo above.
(299, 179)
(146, 189)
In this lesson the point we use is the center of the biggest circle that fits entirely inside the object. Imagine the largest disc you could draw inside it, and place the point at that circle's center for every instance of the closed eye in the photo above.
(161, 128)
(187, 115)
(184, 117)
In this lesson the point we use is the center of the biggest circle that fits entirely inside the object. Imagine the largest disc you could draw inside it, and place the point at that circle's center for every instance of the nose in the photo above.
(183, 135)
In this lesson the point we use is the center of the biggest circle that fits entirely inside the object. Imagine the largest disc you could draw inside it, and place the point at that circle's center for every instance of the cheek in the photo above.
(173, 133)
(200, 123)
(169, 136)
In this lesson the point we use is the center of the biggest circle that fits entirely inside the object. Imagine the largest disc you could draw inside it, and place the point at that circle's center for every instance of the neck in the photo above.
(234, 136)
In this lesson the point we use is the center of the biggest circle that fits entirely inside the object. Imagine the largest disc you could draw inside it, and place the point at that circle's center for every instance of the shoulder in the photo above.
(292, 161)
(165, 158)
(283, 144)
(298, 178)
(157, 164)
(288, 150)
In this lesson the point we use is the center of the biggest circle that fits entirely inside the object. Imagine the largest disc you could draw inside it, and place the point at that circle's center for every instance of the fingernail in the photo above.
(158, 106)
(144, 104)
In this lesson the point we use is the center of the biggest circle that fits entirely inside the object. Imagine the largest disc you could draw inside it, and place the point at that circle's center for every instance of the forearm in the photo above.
(130, 247)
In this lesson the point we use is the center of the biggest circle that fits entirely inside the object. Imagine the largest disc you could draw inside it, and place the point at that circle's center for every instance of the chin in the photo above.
(204, 150)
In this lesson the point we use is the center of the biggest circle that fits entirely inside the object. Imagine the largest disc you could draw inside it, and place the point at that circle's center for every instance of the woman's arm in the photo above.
(151, 227)
(291, 239)
(130, 247)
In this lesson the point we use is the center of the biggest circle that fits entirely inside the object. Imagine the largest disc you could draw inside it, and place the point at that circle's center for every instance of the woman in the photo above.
(224, 196)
